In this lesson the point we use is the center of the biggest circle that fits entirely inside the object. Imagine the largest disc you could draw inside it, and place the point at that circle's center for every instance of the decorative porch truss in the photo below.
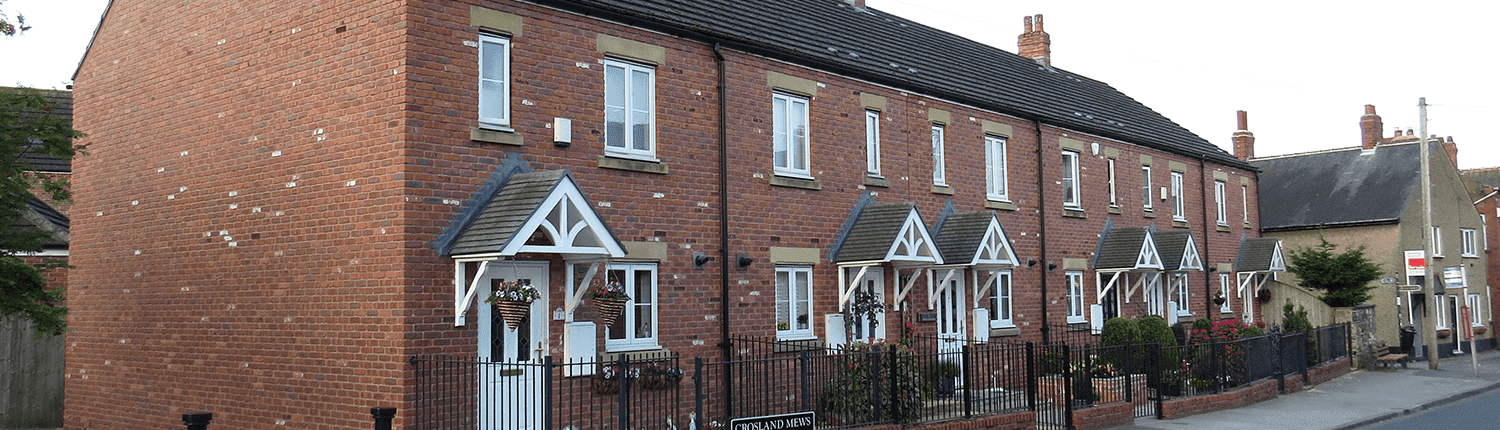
(1256, 265)
(974, 240)
(533, 213)
(885, 234)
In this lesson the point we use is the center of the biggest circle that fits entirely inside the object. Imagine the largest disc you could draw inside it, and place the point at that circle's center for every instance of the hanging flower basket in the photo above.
(513, 301)
(610, 298)
(1264, 295)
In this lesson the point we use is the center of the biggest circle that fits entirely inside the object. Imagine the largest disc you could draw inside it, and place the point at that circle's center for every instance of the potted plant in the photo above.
(944, 378)
(609, 298)
(513, 301)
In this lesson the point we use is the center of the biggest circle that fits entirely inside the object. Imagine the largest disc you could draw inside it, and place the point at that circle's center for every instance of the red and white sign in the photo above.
(1416, 263)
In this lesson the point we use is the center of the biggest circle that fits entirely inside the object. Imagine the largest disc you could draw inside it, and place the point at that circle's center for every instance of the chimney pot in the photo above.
(1027, 20)
(1039, 23)
(1369, 109)
(1244, 120)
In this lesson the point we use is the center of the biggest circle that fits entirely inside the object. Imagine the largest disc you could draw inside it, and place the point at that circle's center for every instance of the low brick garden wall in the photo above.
(1260, 391)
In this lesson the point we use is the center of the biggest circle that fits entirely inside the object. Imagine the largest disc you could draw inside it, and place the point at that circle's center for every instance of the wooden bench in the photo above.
(1386, 356)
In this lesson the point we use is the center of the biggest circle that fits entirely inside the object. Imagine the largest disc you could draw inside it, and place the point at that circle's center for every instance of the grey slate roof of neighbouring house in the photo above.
(1338, 187)
(42, 216)
(1255, 254)
(890, 50)
(1120, 247)
(874, 231)
(62, 106)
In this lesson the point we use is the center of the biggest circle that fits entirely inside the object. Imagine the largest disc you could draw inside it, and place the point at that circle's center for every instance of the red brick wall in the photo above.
(254, 221)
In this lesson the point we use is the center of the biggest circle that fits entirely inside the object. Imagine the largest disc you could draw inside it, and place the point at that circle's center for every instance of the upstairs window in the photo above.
(938, 166)
(1179, 212)
(789, 115)
(1437, 241)
(996, 181)
(1113, 202)
(629, 107)
(494, 81)
(872, 142)
(1223, 218)
(1071, 197)
(1471, 248)
(1146, 187)
(1245, 203)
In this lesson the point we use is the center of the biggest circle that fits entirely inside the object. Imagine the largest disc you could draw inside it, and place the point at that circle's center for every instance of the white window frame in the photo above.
(1179, 211)
(939, 164)
(1245, 203)
(785, 136)
(1223, 216)
(872, 143)
(1002, 301)
(794, 330)
(1475, 312)
(1146, 186)
(1437, 241)
(1224, 289)
(997, 183)
(1076, 305)
(1442, 310)
(1072, 193)
(1470, 249)
(625, 144)
(499, 86)
(634, 341)
(1181, 286)
(1484, 227)
(1156, 298)
(1114, 202)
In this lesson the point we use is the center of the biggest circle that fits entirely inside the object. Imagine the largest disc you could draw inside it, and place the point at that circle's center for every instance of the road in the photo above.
(1475, 412)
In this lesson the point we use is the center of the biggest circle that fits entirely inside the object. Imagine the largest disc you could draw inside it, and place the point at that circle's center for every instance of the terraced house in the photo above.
(286, 202)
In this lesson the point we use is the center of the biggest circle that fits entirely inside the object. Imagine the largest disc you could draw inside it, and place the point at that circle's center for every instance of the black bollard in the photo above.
(197, 420)
(383, 417)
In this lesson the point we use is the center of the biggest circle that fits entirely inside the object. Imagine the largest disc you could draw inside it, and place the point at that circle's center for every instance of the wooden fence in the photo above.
(31, 377)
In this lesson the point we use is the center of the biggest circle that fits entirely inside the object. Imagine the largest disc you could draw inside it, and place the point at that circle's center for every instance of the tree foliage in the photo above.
(1344, 278)
(27, 127)
(9, 27)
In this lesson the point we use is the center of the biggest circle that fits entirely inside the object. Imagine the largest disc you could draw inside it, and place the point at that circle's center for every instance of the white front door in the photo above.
(951, 316)
(863, 329)
(510, 370)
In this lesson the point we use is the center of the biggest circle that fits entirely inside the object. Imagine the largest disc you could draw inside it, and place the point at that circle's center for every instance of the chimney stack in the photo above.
(1244, 140)
(856, 3)
(1370, 128)
(1035, 43)
(1452, 149)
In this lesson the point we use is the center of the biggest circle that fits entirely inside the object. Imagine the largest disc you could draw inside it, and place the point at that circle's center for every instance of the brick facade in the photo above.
(254, 223)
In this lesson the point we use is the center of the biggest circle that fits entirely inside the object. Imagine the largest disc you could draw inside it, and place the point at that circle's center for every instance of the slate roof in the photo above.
(42, 216)
(874, 230)
(1474, 179)
(961, 235)
(1337, 187)
(890, 50)
(62, 106)
(1255, 254)
(1171, 244)
(496, 225)
(1120, 247)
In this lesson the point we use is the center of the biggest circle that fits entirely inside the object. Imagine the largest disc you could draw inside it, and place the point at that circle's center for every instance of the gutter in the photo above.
(1486, 197)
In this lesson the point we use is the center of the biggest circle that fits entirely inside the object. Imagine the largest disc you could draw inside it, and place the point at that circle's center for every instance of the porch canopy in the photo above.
(541, 212)
(1123, 250)
(1179, 253)
(876, 234)
(974, 240)
(1255, 266)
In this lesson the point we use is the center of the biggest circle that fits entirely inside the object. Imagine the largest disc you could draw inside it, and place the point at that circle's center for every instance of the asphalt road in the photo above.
(1475, 413)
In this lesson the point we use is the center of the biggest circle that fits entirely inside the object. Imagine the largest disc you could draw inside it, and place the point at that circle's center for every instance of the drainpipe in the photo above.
(1208, 301)
(724, 342)
(1041, 191)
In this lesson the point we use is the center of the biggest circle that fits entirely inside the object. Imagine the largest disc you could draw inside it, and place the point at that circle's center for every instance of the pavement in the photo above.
(1354, 400)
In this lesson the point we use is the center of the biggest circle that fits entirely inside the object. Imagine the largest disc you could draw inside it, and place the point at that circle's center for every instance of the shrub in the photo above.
(1118, 331)
(847, 399)
(1154, 329)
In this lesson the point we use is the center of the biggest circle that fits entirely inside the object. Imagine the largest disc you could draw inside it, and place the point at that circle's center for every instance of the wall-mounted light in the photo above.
(699, 259)
(744, 261)
(1051, 266)
(1030, 263)
(1212, 269)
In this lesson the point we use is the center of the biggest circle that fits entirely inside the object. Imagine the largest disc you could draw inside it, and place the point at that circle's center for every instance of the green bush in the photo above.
(1202, 324)
(847, 399)
(1154, 329)
(1118, 331)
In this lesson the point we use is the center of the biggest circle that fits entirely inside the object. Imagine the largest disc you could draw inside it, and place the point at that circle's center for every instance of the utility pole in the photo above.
(1429, 324)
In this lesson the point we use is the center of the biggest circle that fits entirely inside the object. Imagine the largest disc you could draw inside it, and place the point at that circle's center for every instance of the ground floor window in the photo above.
(1000, 298)
(794, 302)
(635, 329)
(1075, 297)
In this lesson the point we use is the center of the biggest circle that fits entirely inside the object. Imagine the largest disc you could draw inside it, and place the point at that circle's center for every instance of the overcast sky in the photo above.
(1303, 69)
